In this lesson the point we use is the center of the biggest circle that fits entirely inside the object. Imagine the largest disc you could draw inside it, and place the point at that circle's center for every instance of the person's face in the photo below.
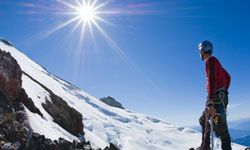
(202, 54)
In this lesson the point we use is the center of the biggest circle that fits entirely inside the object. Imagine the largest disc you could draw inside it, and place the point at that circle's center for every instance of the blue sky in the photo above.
(160, 73)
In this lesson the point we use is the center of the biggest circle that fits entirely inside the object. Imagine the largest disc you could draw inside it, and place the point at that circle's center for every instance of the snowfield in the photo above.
(102, 124)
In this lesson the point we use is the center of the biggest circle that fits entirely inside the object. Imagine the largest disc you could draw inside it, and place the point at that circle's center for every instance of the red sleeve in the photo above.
(228, 79)
(211, 77)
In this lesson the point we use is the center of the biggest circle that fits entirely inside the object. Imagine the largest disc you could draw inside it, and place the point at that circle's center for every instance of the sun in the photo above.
(87, 18)
(86, 13)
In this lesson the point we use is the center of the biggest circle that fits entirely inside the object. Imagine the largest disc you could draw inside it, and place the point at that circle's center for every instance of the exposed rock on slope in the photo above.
(64, 115)
(15, 131)
(11, 83)
(10, 75)
(6, 42)
(111, 102)
(13, 124)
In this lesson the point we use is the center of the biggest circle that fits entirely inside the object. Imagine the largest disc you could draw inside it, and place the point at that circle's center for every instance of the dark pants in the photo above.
(219, 122)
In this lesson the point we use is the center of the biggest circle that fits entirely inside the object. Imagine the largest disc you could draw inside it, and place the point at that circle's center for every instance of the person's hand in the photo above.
(210, 102)
(211, 111)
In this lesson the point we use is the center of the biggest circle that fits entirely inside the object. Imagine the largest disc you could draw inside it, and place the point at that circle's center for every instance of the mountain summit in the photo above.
(54, 109)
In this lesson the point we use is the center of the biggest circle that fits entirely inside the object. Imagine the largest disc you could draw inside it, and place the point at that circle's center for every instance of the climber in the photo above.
(218, 81)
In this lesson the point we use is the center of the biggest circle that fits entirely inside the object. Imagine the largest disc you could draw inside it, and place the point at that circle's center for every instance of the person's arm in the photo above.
(211, 78)
(211, 85)
(228, 79)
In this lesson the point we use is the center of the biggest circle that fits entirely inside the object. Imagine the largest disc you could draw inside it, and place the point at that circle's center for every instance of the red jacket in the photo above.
(217, 77)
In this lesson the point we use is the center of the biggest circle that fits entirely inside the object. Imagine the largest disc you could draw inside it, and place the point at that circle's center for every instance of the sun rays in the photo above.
(84, 27)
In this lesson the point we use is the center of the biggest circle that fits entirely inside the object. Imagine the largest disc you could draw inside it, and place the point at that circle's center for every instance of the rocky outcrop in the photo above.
(11, 81)
(6, 42)
(23, 98)
(15, 131)
(111, 147)
(13, 123)
(39, 142)
(10, 75)
(111, 102)
(64, 115)
(14, 128)
(16, 134)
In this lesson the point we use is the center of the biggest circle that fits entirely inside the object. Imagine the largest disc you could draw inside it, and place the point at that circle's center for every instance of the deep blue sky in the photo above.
(162, 74)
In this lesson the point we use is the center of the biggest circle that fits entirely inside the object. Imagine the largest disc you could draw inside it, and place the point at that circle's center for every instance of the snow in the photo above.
(103, 124)
(48, 128)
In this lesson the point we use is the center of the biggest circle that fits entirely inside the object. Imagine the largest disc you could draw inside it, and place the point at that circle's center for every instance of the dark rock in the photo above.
(56, 142)
(15, 131)
(3, 139)
(75, 144)
(10, 75)
(87, 143)
(64, 144)
(87, 147)
(20, 116)
(111, 102)
(52, 145)
(64, 115)
(11, 83)
(11, 146)
(20, 106)
(111, 147)
(39, 142)
(6, 42)
(6, 146)
(23, 97)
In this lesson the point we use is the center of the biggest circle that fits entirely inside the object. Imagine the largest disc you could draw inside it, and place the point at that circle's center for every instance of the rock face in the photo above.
(39, 142)
(111, 147)
(64, 115)
(11, 82)
(10, 75)
(13, 125)
(15, 131)
(6, 42)
(111, 102)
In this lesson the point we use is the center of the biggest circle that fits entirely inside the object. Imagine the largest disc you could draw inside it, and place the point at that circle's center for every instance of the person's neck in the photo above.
(207, 56)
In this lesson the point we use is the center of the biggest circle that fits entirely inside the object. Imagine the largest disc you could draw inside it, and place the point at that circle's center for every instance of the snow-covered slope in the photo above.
(103, 124)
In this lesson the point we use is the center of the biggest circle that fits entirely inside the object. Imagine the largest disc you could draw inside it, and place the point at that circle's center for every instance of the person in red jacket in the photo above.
(218, 82)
